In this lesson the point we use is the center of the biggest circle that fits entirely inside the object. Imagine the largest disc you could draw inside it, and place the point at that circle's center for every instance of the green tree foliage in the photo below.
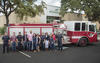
(22, 8)
(2, 30)
(90, 7)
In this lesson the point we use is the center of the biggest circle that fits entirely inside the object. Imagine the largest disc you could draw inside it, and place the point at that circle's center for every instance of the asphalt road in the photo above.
(72, 54)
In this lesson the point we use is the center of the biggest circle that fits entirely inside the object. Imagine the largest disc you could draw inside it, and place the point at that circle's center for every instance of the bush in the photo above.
(2, 30)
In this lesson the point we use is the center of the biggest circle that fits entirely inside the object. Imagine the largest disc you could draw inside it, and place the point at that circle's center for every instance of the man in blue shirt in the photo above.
(42, 41)
(20, 39)
(6, 41)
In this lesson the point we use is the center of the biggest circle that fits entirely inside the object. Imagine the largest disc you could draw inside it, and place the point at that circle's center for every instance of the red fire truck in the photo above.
(77, 32)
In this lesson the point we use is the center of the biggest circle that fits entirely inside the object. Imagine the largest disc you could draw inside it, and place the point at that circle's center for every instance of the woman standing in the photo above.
(13, 41)
(34, 42)
(38, 40)
(46, 44)
(51, 45)
(54, 37)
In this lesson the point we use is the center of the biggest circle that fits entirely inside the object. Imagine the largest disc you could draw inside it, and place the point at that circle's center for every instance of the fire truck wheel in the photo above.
(82, 42)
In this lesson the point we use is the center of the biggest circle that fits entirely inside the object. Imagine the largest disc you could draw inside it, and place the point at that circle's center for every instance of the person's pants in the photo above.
(25, 45)
(34, 45)
(29, 45)
(13, 46)
(60, 46)
(5, 47)
(42, 45)
(52, 46)
(20, 47)
(37, 46)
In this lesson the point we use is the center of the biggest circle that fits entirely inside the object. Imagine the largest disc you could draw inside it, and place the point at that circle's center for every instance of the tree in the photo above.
(90, 7)
(22, 8)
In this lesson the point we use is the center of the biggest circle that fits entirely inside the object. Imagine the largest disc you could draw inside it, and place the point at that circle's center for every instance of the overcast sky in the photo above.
(52, 2)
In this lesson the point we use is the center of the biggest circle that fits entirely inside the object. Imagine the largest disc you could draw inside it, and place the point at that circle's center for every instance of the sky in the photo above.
(51, 2)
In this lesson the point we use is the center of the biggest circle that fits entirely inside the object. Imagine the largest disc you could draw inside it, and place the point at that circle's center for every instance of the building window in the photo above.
(77, 26)
(50, 19)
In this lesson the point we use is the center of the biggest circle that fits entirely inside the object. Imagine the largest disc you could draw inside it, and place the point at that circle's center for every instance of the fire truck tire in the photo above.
(82, 42)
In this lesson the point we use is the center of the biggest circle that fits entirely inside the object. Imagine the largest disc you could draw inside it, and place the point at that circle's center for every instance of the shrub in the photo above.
(2, 30)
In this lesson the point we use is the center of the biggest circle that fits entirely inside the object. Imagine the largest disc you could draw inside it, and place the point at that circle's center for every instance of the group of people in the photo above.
(32, 42)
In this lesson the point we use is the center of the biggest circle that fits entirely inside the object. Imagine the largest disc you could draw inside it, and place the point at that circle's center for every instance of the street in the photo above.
(70, 54)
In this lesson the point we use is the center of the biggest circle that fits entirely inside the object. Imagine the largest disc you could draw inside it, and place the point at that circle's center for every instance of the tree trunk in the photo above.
(7, 20)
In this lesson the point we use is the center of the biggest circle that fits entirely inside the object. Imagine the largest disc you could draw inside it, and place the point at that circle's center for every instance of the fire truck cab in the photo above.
(81, 32)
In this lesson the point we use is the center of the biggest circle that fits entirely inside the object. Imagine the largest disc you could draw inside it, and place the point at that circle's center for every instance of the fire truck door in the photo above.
(92, 33)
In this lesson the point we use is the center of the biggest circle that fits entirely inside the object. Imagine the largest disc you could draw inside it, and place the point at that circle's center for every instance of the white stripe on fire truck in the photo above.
(76, 37)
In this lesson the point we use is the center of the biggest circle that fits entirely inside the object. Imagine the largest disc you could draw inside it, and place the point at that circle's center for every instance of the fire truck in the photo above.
(76, 32)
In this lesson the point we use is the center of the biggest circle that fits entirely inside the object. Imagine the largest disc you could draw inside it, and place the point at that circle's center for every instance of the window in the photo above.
(50, 19)
(83, 26)
(77, 26)
(91, 28)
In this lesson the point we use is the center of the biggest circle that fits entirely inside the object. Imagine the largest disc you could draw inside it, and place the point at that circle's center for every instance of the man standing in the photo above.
(42, 41)
(6, 41)
(25, 41)
(29, 45)
(59, 40)
(19, 39)
(13, 40)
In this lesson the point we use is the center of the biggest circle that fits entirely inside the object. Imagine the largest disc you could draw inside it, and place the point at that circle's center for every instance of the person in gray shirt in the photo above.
(59, 41)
